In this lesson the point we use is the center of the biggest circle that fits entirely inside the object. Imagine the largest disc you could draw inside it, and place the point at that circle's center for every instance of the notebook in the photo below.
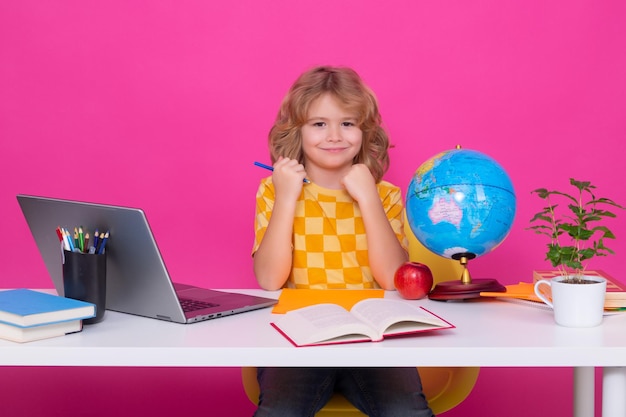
(137, 278)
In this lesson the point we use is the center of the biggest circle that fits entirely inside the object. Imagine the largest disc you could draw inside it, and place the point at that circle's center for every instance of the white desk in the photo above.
(489, 333)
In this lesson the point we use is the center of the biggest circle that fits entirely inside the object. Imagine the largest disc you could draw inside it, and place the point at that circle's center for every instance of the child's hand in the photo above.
(360, 183)
(288, 178)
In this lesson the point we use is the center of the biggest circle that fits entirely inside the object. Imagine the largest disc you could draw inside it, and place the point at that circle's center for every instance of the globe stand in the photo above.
(466, 287)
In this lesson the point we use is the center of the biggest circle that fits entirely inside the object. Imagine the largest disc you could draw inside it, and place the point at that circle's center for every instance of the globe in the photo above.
(460, 203)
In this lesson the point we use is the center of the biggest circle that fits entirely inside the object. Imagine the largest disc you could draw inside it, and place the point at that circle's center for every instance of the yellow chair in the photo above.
(444, 387)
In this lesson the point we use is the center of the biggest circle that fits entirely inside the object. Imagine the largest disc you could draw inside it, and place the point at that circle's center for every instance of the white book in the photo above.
(46, 331)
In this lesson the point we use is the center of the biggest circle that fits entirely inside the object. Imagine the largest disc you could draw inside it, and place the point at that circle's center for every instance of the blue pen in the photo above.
(271, 168)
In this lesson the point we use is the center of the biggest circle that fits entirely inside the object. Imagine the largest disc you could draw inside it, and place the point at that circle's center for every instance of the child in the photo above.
(326, 219)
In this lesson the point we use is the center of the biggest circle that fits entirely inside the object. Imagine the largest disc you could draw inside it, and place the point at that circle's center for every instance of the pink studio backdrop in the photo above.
(164, 105)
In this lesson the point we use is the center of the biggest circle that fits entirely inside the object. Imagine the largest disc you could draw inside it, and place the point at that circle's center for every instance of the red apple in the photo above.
(413, 280)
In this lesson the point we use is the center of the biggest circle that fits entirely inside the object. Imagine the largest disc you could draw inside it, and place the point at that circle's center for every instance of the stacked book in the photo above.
(27, 315)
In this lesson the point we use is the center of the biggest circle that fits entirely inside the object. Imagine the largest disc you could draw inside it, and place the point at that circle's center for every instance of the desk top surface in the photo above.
(487, 333)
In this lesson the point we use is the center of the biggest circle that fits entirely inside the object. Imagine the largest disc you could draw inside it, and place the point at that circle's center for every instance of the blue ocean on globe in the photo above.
(460, 202)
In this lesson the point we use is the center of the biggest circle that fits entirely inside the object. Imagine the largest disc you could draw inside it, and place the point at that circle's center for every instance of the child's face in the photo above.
(330, 137)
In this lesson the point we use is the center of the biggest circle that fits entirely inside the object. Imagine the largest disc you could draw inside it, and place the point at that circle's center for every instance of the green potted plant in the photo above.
(575, 230)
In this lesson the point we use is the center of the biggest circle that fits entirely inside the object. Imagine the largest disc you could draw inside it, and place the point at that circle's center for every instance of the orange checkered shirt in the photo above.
(329, 244)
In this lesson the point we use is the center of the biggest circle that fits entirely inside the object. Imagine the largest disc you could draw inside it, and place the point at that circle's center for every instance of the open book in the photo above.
(370, 320)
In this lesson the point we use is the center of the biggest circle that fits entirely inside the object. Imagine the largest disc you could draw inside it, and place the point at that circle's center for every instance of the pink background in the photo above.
(164, 105)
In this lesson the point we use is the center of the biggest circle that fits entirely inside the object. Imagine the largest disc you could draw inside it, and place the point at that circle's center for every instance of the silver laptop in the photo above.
(137, 279)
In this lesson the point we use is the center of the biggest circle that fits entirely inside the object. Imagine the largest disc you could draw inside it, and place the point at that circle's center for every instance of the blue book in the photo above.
(26, 308)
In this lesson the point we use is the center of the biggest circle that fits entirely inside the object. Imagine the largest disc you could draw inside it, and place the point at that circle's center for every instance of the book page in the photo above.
(395, 317)
(323, 323)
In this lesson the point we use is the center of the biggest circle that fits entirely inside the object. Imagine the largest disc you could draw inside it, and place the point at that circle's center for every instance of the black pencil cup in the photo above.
(84, 278)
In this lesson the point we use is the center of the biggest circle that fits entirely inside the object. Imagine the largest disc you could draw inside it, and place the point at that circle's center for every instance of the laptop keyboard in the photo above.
(193, 305)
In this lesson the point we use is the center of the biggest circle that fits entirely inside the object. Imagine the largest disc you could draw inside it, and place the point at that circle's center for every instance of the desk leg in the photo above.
(613, 391)
(584, 392)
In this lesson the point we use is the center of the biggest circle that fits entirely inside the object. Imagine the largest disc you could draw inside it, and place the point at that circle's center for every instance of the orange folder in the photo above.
(522, 291)
(291, 299)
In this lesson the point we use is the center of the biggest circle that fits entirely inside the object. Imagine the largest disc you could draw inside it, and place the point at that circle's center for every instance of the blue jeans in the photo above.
(377, 392)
